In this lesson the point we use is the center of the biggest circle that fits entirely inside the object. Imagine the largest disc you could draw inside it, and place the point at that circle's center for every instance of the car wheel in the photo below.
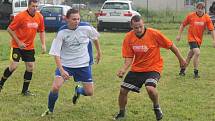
(100, 28)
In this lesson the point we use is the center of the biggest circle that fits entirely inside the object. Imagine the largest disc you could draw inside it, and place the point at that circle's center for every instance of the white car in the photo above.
(116, 14)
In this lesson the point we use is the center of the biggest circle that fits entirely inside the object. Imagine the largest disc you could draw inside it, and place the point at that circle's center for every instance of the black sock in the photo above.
(7, 73)
(122, 112)
(182, 70)
(196, 72)
(27, 79)
(156, 106)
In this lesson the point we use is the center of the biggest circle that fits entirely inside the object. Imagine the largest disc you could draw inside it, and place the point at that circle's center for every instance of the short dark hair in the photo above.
(71, 11)
(135, 18)
(34, 1)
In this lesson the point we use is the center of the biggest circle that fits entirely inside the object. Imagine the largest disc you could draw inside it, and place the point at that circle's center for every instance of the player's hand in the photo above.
(64, 74)
(21, 45)
(121, 73)
(43, 49)
(178, 37)
(183, 63)
(98, 57)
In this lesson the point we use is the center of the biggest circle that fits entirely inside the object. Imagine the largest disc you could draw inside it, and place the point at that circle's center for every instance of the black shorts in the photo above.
(193, 45)
(26, 55)
(135, 80)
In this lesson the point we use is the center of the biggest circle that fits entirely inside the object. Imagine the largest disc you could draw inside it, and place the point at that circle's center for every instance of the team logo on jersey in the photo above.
(32, 25)
(141, 48)
(15, 56)
(199, 23)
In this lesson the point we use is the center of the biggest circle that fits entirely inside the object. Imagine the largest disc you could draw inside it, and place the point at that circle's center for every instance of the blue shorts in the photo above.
(83, 74)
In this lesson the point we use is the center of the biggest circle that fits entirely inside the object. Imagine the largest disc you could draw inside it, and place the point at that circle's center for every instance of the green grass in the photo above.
(182, 99)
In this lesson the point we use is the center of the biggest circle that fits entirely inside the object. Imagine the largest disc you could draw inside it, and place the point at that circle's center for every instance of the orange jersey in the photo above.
(197, 26)
(26, 27)
(145, 50)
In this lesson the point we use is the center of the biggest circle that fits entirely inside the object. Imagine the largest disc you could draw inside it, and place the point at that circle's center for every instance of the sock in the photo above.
(7, 73)
(196, 72)
(80, 90)
(122, 112)
(182, 70)
(156, 106)
(27, 79)
(51, 101)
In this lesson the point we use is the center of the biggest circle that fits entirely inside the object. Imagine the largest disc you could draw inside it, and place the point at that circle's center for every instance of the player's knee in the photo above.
(12, 67)
(30, 67)
(123, 91)
(89, 93)
(150, 89)
(55, 88)
(197, 54)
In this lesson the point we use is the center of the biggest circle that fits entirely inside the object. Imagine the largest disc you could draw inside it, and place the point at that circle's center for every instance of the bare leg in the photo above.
(122, 99)
(153, 95)
(189, 56)
(88, 89)
(196, 52)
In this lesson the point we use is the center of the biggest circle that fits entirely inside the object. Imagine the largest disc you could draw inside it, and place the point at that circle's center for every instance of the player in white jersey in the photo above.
(72, 55)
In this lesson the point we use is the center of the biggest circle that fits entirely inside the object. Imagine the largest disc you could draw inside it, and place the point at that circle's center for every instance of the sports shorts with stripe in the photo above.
(83, 74)
(135, 80)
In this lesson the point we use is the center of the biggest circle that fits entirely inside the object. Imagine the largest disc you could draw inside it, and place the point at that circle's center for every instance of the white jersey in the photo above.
(72, 46)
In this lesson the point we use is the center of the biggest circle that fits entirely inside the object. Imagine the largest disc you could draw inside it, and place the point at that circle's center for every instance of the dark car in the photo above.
(9, 9)
(54, 16)
(212, 12)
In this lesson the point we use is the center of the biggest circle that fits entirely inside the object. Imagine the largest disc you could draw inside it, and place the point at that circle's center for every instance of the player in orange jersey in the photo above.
(197, 21)
(23, 30)
(141, 51)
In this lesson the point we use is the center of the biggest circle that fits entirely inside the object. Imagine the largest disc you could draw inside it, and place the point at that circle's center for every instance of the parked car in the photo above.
(212, 12)
(40, 6)
(9, 9)
(115, 14)
(79, 6)
(54, 16)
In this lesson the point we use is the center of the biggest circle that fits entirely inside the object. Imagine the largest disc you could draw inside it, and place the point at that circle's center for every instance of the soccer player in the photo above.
(141, 51)
(197, 22)
(72, 55)
(23, 31)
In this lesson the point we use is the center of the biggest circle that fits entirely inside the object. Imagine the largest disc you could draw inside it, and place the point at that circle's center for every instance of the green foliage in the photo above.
(181, 98)
(164, 16)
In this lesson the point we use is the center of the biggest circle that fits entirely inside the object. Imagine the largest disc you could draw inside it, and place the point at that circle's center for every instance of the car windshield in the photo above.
(57, 10)
(116, 5)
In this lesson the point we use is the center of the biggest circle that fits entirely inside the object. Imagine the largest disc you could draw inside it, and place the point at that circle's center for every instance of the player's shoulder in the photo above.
(84, 24)
(39, 14)
(22, 14)
(206, 15)
(152, 30)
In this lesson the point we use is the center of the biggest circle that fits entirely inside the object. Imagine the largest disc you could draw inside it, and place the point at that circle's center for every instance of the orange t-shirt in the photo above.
(26, 27)
(197, 26)
(145, 50)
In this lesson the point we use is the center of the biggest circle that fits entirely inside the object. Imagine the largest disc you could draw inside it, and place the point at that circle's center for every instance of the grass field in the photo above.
(181, 98)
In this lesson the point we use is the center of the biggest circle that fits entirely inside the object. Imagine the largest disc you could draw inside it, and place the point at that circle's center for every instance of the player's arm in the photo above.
(63, 73)
(124, 68)
(181, 60)
(181, 28)
(13, 35)
(43, 42)
(213, 37)
(98, 50)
